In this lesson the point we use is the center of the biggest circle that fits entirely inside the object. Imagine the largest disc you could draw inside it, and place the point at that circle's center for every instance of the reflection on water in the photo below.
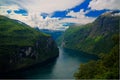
(62, 68)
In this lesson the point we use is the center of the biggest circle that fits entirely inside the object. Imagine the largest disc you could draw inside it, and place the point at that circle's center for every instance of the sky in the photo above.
(56, 14)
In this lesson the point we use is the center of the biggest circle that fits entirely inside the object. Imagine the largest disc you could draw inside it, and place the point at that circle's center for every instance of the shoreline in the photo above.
(7, 75)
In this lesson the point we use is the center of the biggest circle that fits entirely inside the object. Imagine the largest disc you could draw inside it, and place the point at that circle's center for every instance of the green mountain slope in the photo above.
(100, 38)
(107, 67)
(93, 38)
(22, 46)
(13, 32)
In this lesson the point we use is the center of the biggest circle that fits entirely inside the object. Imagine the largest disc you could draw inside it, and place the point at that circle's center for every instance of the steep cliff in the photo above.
(22, 46)
(100, 38)
(93, 38)
(106, 34)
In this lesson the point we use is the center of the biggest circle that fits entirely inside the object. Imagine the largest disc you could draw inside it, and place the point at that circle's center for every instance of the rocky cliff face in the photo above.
(93, 38)
(102, 40)
(25, 48)
(26, 56)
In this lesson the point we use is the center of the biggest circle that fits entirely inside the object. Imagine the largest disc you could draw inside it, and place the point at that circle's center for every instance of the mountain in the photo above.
(100, 38)
(22, 46)
(54, 33)
(93, 38)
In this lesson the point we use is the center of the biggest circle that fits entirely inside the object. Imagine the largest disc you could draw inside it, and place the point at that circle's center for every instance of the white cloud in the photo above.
(78, 17)
(34, 8)
(47, 23)
(33, 20)
(13, 15)
(3, 9)
(84, 20)
(48, 6)
(104, 4)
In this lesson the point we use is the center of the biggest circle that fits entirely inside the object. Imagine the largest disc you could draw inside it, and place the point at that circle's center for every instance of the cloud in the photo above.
(104, 4)
(78, 17)
(48, 22)
(3, 9)
(32, 20)
(79, 14)
(48, 6)
(35, 8)
(40, 12)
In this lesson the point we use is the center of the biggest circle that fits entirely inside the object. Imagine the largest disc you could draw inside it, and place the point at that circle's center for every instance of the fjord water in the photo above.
(63, 67)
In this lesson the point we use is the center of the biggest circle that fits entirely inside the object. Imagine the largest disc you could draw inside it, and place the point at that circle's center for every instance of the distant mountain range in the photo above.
(54, 33)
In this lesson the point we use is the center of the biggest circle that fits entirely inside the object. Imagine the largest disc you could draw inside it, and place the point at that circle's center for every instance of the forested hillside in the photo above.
(100, 38)
(22, 46)
(93, 38)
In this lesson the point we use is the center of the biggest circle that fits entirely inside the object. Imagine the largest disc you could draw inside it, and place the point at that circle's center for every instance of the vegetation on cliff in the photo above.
(94, 37)
(107, 67)
(22, 46)
(100, 38)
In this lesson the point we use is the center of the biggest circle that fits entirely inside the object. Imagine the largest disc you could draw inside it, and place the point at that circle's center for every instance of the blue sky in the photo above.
(84, 6)
(63, 14)
(56, 14)
(21, 11)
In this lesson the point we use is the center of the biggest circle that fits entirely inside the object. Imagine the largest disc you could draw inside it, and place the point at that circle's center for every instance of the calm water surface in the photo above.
(62, 68)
